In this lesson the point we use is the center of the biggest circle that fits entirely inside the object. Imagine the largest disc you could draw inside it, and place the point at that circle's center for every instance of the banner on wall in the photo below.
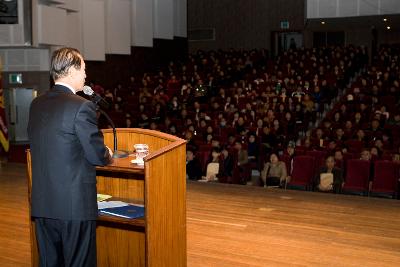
(3, 123)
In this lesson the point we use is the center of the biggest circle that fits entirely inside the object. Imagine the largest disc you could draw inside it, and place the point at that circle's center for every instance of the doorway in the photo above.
(283, 41)
(18, 101)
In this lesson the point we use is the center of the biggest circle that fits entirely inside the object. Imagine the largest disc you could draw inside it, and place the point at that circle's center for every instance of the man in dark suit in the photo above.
(337, 174)
(65, 143)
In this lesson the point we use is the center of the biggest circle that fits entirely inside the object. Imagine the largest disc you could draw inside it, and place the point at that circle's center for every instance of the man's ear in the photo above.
(71, 71)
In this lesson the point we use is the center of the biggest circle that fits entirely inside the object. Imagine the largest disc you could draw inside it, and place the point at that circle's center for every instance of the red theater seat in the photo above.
(386, 174)
(286, 158)
(357, 176)
(303, 172)
(319, 156)
(203, 158)
(355, 146)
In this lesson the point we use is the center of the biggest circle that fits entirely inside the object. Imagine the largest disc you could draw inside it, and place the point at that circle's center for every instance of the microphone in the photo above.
(96, 99)
(88, 90)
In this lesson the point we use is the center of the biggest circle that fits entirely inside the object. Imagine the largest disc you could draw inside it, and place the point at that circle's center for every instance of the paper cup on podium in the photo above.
(141, 151)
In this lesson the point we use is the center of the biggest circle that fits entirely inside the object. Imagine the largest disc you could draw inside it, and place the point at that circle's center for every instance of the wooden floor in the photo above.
(247, 226)
(14, 227)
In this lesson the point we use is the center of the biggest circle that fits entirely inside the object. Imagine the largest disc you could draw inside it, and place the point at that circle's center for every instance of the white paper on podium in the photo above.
(111, 204)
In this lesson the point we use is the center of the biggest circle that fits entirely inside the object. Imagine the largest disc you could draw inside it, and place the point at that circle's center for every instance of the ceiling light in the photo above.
(388, 27)
(385, 19)
(322, 22)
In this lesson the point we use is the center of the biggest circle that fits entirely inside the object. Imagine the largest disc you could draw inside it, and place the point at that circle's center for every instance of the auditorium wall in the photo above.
(116, 37)
(250, 24)
(243, 23)
(389, 37)
(118, 68)
(357, 37)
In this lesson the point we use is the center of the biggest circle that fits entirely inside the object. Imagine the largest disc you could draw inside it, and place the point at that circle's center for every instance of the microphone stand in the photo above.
(117, 153)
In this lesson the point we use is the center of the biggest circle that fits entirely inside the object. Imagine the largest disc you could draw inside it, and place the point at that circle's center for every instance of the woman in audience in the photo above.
(289, 125)
(337, 120)
(375, 153)
(358, 121)
(274, 172)
(128, 123)
(308, 104)
(348, 130)
(144, 121)
(153, 126)
(360, 136)
(213, 165)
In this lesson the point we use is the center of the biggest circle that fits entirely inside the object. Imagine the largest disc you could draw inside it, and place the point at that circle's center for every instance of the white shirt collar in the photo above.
(67, 85)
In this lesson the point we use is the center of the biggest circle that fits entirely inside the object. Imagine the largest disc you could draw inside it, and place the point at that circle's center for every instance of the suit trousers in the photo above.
(66, 243)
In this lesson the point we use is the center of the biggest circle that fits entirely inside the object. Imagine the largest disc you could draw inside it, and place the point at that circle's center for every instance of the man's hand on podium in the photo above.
(110, 152)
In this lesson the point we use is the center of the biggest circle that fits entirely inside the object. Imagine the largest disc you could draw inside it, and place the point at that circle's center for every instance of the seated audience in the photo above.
(275, 105)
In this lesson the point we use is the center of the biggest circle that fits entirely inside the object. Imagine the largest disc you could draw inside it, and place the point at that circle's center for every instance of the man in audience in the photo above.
(329, 177)
(242, 154)
(365, 154)
(193, 167)
(339, 160)
(339, 137)
(375, 130)
(242, 160)
(252, 148)
(226, 166)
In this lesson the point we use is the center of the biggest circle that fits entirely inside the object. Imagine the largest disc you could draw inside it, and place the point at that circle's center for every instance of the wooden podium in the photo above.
(159, 238)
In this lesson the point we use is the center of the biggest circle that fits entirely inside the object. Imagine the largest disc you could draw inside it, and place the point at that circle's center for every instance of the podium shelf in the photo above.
(139, 222)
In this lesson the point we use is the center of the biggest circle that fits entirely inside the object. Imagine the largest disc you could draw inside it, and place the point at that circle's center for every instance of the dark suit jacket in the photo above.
(193, 169)
(337, 175)
(337, 178)
(226, 167)
(65, 145)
